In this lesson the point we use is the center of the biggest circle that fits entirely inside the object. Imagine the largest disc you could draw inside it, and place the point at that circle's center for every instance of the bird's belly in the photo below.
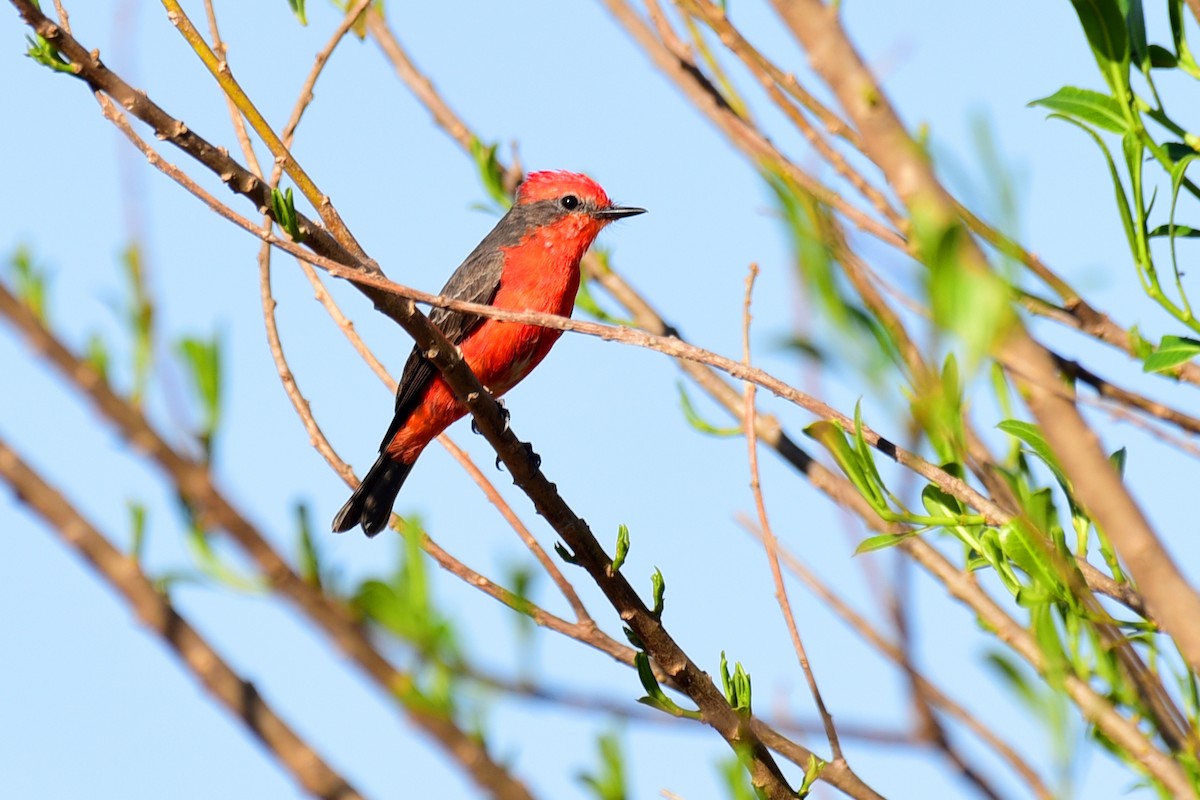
(502, 353)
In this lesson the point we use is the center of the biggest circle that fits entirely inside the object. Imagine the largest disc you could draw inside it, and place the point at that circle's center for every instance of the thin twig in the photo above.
(861, 626)
(772, 545)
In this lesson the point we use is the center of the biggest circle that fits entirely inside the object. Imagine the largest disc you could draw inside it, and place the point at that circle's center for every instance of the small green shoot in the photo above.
(622, 550)
(283, 208)
(699, 423)
(608, 782)
(658, 588)
(737, 686)
(655, 696)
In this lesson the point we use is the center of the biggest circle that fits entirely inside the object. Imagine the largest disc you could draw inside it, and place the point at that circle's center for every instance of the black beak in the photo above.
(617, 212)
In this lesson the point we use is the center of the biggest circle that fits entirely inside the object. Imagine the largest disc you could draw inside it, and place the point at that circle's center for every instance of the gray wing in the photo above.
(476, 281)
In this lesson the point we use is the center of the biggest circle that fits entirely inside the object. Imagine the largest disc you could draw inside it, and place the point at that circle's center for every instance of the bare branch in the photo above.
(155, 611)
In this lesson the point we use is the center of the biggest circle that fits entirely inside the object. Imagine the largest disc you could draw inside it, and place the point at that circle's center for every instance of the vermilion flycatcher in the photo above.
(530, 261)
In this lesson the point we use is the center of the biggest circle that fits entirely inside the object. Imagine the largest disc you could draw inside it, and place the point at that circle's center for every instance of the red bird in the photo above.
(530, 261)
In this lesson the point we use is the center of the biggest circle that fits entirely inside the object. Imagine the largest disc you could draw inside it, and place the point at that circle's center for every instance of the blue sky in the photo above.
(94, 706)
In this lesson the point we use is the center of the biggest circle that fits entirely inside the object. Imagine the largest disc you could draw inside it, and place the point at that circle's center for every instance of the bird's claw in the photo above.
(504, 416)
(534, 457)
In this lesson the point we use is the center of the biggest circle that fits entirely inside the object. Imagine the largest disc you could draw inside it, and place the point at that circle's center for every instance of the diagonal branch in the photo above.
(155, 611)
(1099, 488)
(195, 483)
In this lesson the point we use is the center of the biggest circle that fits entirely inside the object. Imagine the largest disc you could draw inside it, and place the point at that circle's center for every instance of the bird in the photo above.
(529, 261)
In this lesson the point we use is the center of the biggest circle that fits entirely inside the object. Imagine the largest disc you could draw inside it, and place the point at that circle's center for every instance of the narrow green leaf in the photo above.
(97, 355)
(812, 771)
(297, 7)
(137, 527)
(1170, 353)
(1138, 344)
(1104, 26)
(203, 361)
(491, 174)
(47, 55)
(622, 550)
(658, 587)
(973, 304)
(699, 423)
(1087, 106)
(309, 558)
(29, 282)
(608, 782)
(283, 207)
(833, 437)
(880, 542)
(1032, 436)
(1175, 232)
(1162, 58)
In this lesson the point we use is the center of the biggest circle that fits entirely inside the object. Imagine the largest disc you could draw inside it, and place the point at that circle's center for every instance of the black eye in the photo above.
(570, 202)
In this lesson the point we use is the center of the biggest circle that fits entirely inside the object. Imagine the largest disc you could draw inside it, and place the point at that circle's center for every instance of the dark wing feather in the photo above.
(476, 281)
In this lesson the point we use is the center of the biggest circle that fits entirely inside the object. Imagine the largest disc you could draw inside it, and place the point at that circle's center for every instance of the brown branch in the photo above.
(715, 710)
(1110, 391)
(155, 611)
(1099, 489)
(688, 77)
(961, 585)
(861, 626)
(195, 483)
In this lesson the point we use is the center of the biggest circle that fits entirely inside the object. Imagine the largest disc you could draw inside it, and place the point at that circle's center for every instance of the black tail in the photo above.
(371, 504)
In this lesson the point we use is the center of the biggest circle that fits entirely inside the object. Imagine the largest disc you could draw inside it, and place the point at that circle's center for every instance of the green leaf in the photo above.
(29, 282)
(622, 550)
(283, 208)
(297, 7)
(203, 360)
(1175, 232)
(1031, 435)
(1170, 353)
(137, 528)
(940, 503)
(1104, 25)
(736, 779)
(214, 567)
(1162, 58)
(737, 686)
(973, 304)
(1138, 344)
(310, 561)
(881, 542)
(1135, 26)
(138, 316)
(812, 771)
(833, 437)
(1087, 106)
(97, 355)
(699, 423)
(47, 55)
(608, 783)
(658, 586)
(655, 697)
(491, 173)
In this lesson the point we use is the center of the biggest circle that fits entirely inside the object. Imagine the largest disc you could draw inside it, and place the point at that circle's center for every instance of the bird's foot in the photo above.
(504, 415)
(534, 457)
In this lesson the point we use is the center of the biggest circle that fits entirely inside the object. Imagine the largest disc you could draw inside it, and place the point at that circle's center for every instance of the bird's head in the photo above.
(570, 195)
